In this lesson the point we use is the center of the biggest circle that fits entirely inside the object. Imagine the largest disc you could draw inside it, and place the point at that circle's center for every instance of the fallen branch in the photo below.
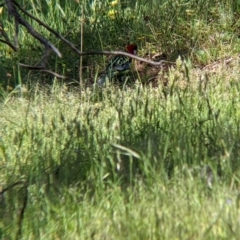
(125, 54)
(12, 11)
(7, 40)
(23, 183)
(48, 28)
(42, 68)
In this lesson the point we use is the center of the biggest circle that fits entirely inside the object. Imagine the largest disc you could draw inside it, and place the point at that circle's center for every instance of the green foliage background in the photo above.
(123, 162)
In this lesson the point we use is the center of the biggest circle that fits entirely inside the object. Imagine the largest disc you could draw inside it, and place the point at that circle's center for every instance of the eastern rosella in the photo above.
(117, 65)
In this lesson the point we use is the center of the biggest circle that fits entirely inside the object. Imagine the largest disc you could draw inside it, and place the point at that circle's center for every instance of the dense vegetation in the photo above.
(134, 161)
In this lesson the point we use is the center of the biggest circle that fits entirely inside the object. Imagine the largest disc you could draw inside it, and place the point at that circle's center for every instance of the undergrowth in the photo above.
(124, 162)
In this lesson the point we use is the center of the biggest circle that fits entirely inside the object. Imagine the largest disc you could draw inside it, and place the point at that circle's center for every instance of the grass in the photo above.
(125, 162)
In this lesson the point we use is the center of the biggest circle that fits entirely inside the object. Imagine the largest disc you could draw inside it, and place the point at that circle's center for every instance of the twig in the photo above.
(31, 67)
(125, 54)
(41, 69)
(13, 185)
(53, 73)
(19, 20)
(48, 28)
(9, 44)
(7, 40)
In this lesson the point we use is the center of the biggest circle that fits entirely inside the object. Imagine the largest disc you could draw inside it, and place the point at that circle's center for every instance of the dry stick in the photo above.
(48, 46)
(47, 27)
(53, 73)
(98, 53)
(125, 54)
(24, 183)
(41, 69)
(7, 40)
(8, 43)
(19, 20)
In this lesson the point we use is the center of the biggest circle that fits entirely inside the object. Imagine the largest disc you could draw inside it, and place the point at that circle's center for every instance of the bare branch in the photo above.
(19, 20)
(53, 73)
(30, 67)
(7, 40)
(48, 28)
(125, 54)
(41, 69)
(24, 183)
(9, 44)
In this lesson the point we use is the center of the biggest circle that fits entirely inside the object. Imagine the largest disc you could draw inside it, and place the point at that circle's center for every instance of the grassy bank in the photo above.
(120, 164)
(125, 162)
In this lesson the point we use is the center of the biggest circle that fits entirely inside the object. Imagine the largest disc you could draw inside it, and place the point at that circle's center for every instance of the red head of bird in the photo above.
(132, 48)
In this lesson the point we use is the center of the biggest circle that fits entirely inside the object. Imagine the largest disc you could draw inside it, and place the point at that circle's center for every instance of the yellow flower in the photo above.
(112, 14)
(114, 3)
(189, 12)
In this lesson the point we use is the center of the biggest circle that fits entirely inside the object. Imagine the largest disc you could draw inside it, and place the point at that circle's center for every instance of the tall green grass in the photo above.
(129, 163)
(123, 162)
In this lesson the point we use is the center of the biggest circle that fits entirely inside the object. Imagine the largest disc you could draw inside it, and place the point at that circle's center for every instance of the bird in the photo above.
(150, 74)
(147, 71)
(118, 65)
